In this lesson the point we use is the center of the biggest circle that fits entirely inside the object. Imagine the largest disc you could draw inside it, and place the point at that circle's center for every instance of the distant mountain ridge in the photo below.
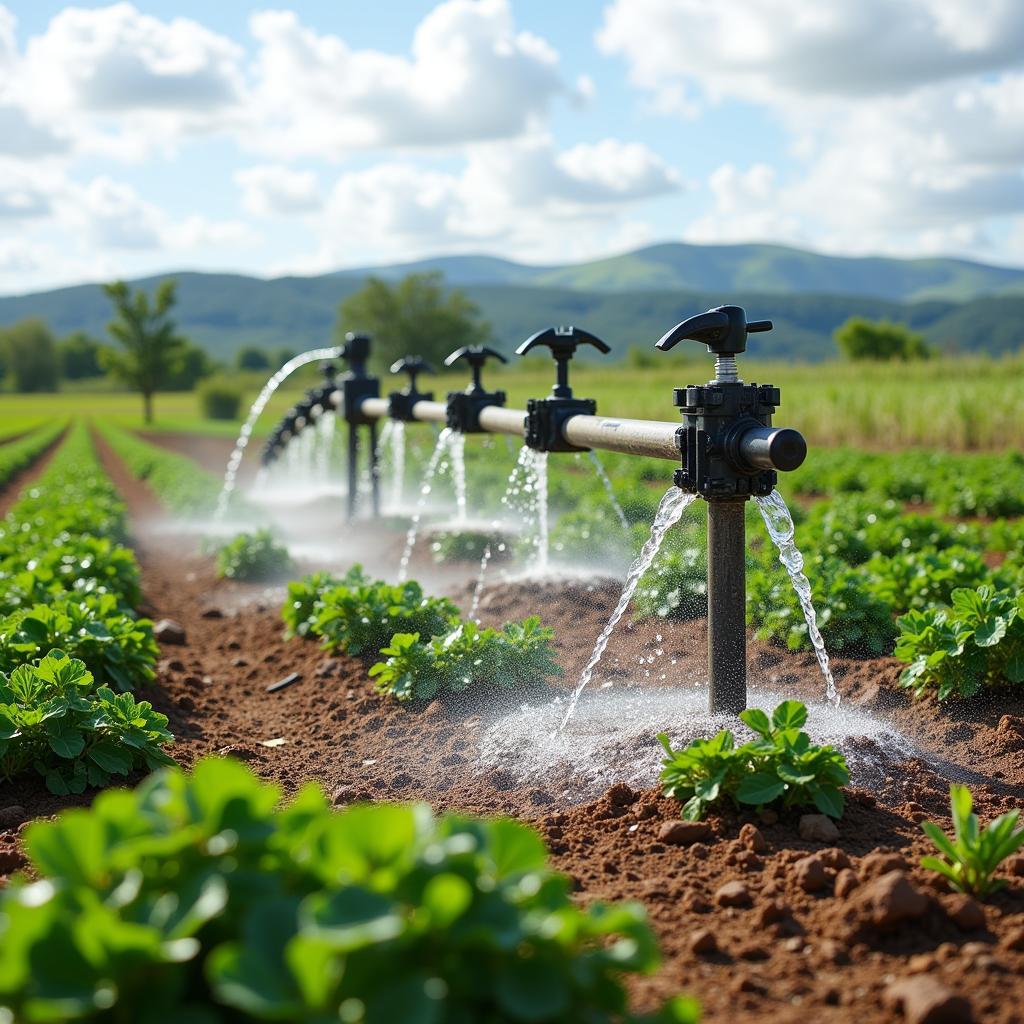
(627, 300)
(775, 269)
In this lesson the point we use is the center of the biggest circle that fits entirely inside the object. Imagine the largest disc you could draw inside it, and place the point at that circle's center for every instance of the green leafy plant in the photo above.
(460, 545)
(253, 556)
(976, 643)
(924, 578)
(516, 655)
(117, 649)
(371, 915)
(780, 766)
(300, 607)
(54, 721)
(970, 859)
(361, 618)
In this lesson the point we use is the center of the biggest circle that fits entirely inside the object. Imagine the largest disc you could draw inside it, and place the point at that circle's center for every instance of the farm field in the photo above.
(759, 912)
(962, 405)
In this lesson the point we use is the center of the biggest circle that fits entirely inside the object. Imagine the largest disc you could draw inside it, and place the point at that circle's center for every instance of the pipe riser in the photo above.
(727, 625)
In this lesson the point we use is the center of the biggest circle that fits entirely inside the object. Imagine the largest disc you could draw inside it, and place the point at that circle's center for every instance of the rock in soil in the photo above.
(966, 913)
(733, 894)
(926, 1000)
(682, 833)
(703, 942)
(753, 838)
(889, 901)
(810, 874)
(167, 631)
(818, 828)
(846, 882)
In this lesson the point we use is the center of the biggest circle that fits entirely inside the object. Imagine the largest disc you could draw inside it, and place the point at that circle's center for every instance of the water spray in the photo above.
(730, 452)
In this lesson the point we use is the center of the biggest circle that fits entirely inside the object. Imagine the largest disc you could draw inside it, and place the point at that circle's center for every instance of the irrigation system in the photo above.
(726, 446)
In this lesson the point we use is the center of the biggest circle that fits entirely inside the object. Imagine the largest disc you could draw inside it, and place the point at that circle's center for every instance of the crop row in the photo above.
(182, 486)
(69, 637)
(20, 453)
(427, 649)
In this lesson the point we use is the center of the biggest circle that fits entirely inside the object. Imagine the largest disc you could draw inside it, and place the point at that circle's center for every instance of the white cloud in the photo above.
(277, 191)
(111, 60)
(525, 196)
(472, 76)
(765, 50)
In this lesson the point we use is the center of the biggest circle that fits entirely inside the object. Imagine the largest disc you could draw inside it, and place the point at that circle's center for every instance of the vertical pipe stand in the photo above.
(727, 599)
(353, 469)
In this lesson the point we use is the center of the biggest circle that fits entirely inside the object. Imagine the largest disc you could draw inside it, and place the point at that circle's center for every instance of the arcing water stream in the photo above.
(779, 524)
(672, 506)
(255, 410)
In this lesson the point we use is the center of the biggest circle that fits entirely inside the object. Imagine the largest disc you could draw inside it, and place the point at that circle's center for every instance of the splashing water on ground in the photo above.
(672, 506)
(779, 524)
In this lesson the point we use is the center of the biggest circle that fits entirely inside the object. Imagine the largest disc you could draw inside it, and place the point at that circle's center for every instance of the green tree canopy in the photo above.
(252, 358)
(78, 356)
(860, 338)
(413, 316)
(151, 347)
(30, 354)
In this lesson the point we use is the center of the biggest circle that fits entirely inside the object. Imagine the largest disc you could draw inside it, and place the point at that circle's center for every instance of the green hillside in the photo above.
(224, 312)
(750, 268)
(629, 299)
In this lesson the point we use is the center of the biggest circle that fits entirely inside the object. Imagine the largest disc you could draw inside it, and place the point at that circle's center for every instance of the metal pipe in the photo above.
(727, 599)
(374, 471)
(652, 438)
(353, 469)
(496, 419)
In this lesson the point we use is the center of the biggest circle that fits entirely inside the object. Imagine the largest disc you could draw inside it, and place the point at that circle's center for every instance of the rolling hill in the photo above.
(628, 300)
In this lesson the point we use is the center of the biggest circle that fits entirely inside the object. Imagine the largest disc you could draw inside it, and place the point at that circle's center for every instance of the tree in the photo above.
(30, 354)
(147, 334)
(78, 356)
(860, 338)
(252, 358)
(413, 316)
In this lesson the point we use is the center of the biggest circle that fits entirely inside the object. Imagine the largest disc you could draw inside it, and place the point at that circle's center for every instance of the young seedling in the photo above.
(781, 765)
(971, 858)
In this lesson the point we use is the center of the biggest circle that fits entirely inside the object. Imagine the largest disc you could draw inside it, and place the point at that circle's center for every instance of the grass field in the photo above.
(961, 405)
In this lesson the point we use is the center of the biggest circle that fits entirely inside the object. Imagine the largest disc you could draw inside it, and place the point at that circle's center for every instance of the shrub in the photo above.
(53, 720)
(514, 656)
(253, 556)
(300, 609)
(459, 545)
(969, 860)
(976, 643)
(371, 915)
(220, 400)
(781, 765)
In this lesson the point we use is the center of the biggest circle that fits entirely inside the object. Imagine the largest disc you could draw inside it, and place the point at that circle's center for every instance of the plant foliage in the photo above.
(56, 722)
(516, 655)
(970, 859)
(371, 915)
(780, 765)
(958, 650)
(253, 556)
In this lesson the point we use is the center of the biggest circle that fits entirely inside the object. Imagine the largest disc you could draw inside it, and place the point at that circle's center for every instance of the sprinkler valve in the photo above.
(400, 403)
(545, 417)
(464, 407)
(357, 385)
(730, 453)
(730, 450)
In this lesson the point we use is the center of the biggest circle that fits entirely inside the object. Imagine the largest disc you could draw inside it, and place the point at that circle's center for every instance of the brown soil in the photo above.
(803, 937)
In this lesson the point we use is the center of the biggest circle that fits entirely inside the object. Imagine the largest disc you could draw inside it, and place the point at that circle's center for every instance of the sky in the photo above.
(137, 138)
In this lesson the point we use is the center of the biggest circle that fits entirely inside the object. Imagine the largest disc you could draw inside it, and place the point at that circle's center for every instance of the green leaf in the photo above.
(759, 788)
(757, 720)
(828, 800)
(532, 990)
(790, 714)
